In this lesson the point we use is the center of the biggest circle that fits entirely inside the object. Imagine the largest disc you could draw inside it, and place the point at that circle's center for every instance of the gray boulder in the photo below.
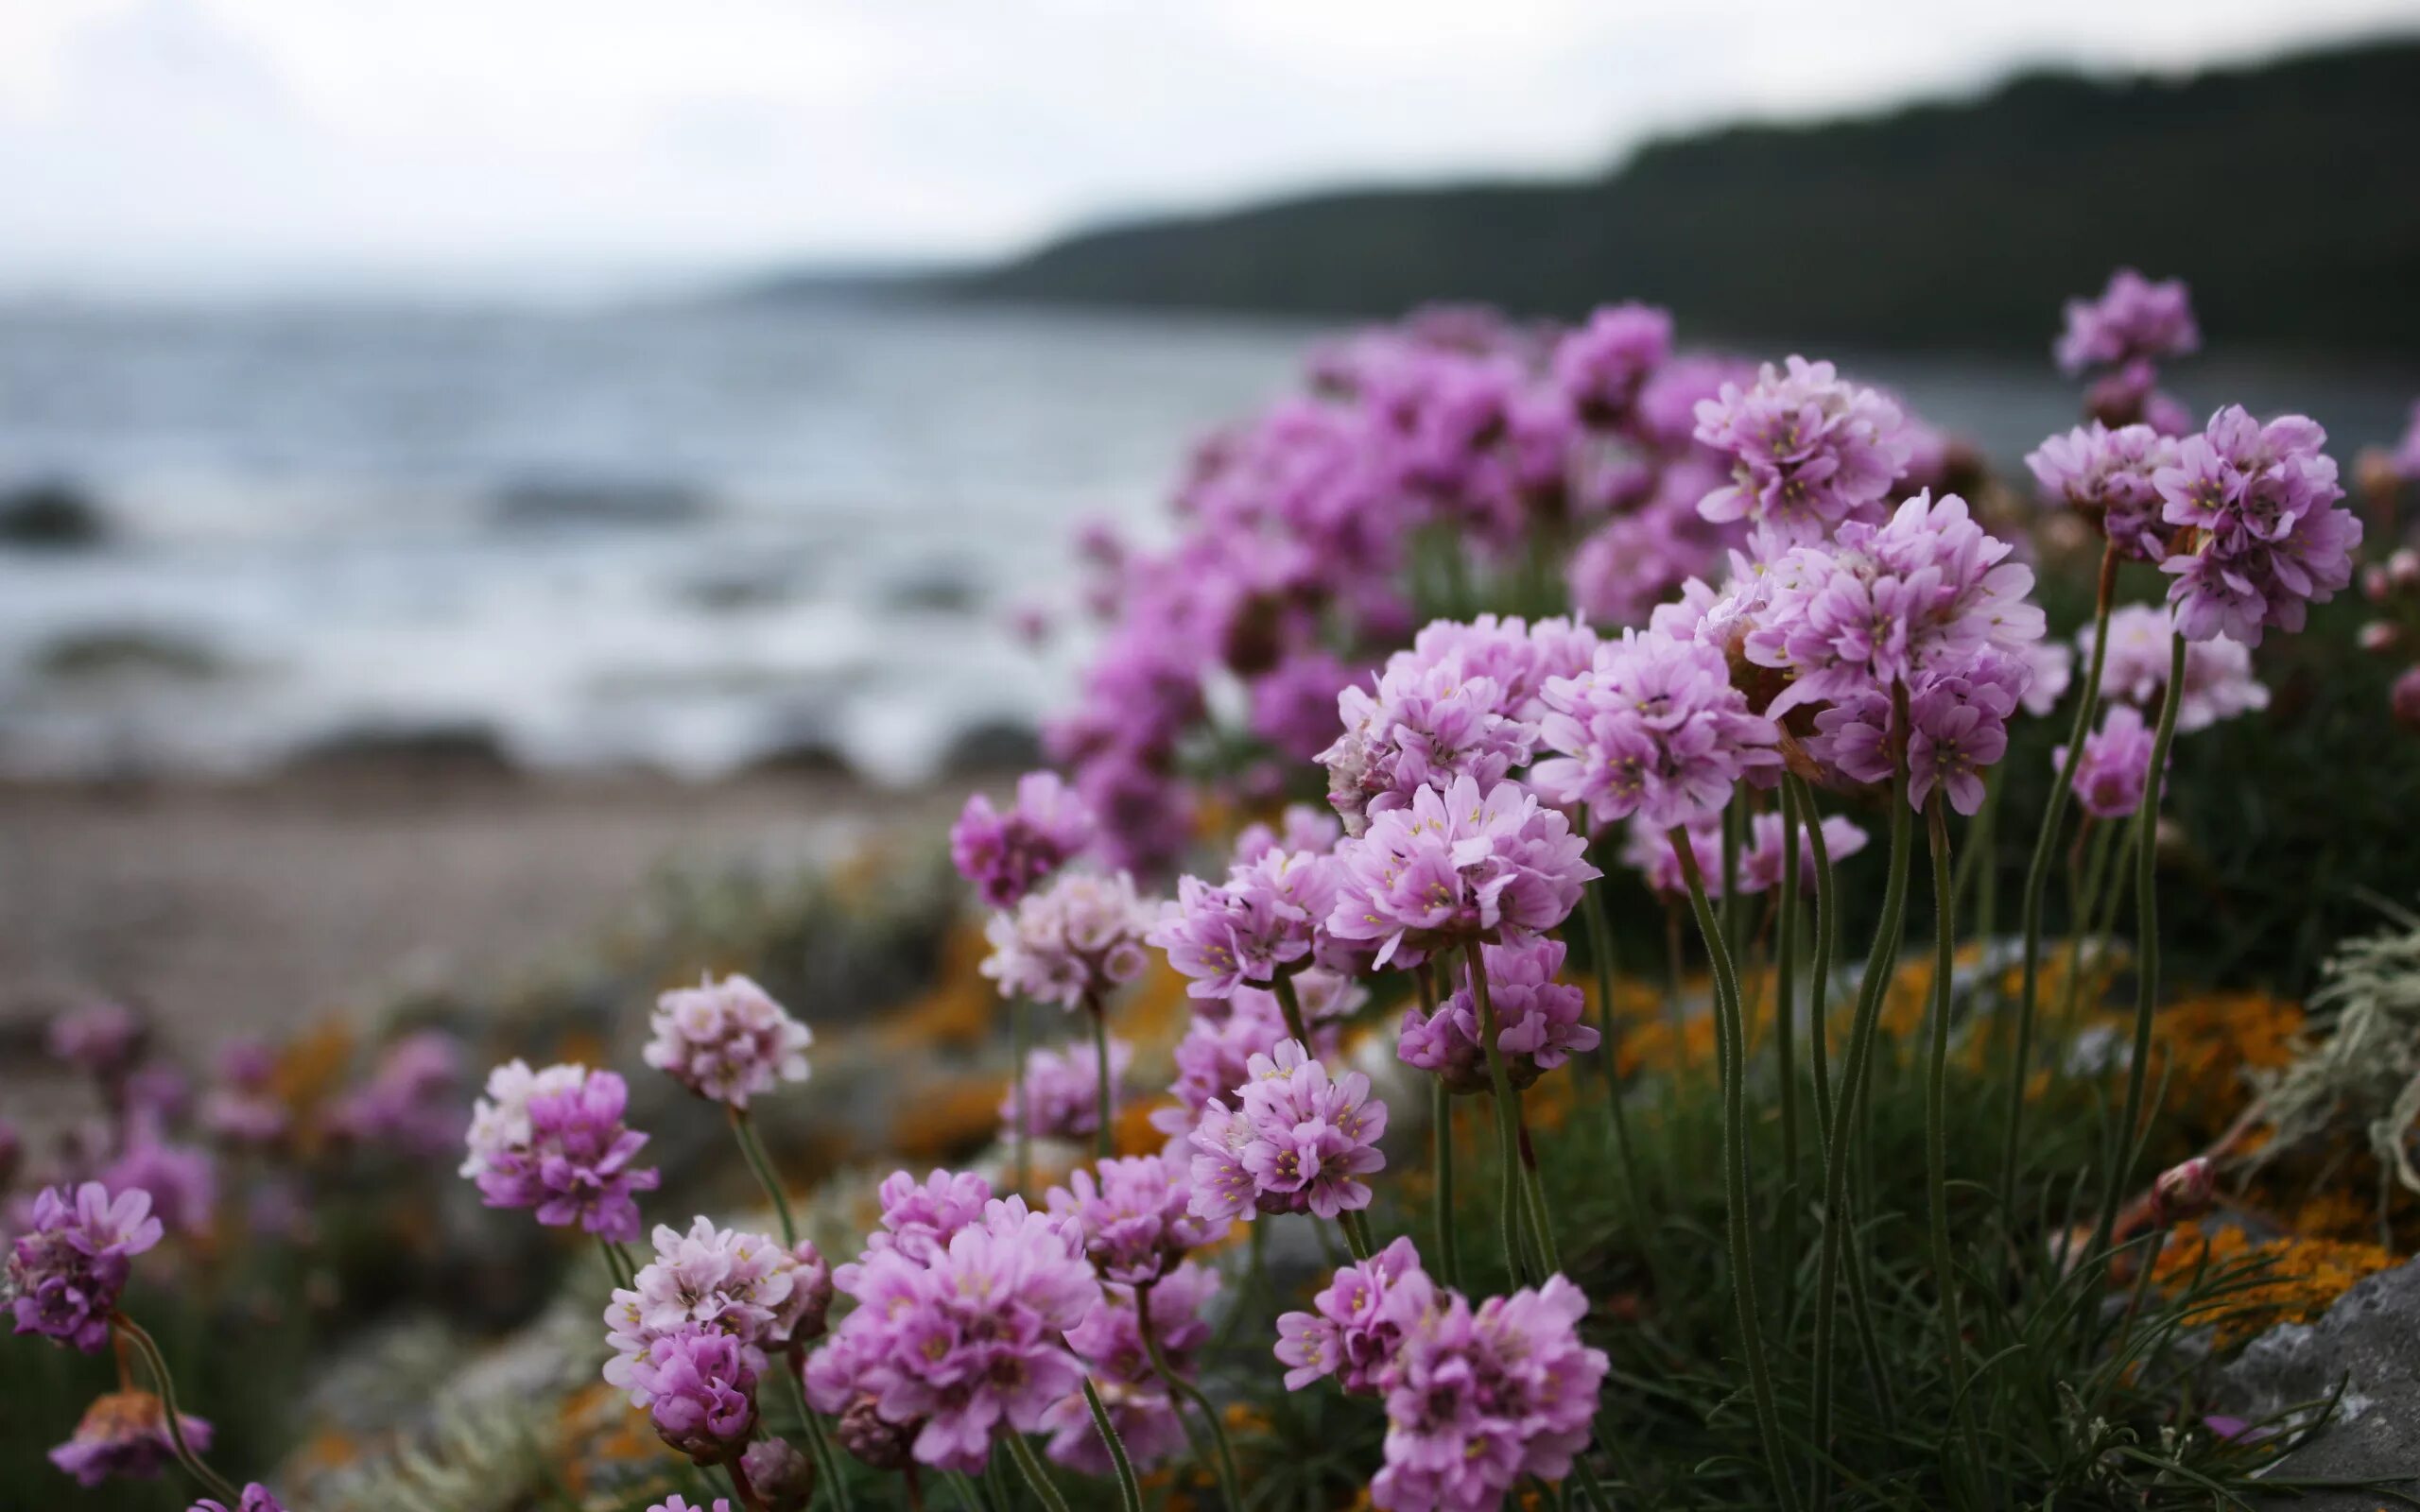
(2369, 1342)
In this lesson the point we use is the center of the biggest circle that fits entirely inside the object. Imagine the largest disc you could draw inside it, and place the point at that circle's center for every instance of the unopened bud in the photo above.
(2403, 567)
(782, 1477)
(2380, 636)
(872, 1439)
(2404, 700)
(2187, 1191)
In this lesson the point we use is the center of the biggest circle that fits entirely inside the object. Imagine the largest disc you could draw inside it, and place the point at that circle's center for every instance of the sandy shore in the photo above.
(228, 909)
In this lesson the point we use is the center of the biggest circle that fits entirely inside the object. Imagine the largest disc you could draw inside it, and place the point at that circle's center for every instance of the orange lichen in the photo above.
(961, 1008)
(949, 1117)
(2301, 1279)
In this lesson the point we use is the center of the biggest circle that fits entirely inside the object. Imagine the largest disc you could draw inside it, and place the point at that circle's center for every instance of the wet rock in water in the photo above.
(94, 654)
(2369, 1343)
(416, 751)
(991, 749)
(50, 514)
(538, 502)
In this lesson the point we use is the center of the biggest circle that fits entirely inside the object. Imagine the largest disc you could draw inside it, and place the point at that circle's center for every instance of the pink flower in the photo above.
(734, 1282)
(1110, 1340)
(1298, 1141)
(256, 1498)
(1810, 449)
(412, 1103)
(1655, 729)
(68, 1271)
(1358, 1323)
(1430, 721)
(1135, 1216)
(2266, 538)
(124, 1434)
(2134, 319)
(554, 1141)
(701, 1391)
(727, 1041)
(1538, 1021)
(1262, 922)
(104, 1038)
(1063, 1090)
(1302, 826)
(1601, 365)
(1648, 850)
(1071, 941)
(2115, 765)
(1455, 865)
(1760, 864)
(2218, 683)
(1006, 855)
(1213, 1057)
(2105, 475)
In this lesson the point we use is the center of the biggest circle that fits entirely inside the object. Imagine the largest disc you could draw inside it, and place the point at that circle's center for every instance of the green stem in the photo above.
(158, 1365)
(1021, 1132)
(1230, 1484)
(617, 1264)
(1786, 1045)
(1035, 1476)
(1356, 1229)
(819, 1443)
(1105, 1139)
(1827, 929)
(1844, 1103)
(1513, 1189)
(2037, 881)
(1130, 1490)
(2146, 947)
(1291, 1006)
(2084, 908)
(753, 1148)
(1441, 1160)
(1735, 1139)
(1601, 957)
(1944, 903)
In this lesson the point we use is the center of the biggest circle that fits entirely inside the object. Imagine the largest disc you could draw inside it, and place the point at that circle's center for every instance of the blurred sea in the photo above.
(683, 538)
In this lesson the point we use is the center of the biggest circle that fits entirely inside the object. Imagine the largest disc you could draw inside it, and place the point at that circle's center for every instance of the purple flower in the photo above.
(409, 1104)
(2218, 683)
(1263, 922)
(965, 1342)
(1648, 851)
(1476, 1398)
(1538, 1021)
(1135, 1215)
(1760, 864)
(2266, 537)
(1006, 854)
(1518, 659)
(104, 1038)
(1810, 449)
(1214, 1057)
(256, 1498)
(2134, 320)
(1952, 736)
(919, 1219)
(1070, 943)
(1297, 1141)
(1635, 562)
(66, 1273)
(554, 1141)
(124, 1434)
(1302, 826)
(1293, 704)
(1430, 721)
(181, 1180)
(2115, 765)
(700, 1388)
(734, 1282)
(1110, 1340)
(1358, 1323)
(1601, 365)
(2105, 475)
(242, 1107)
(1655, 729)
(1458, 866)
(727, 1041)
(677, 1504)
(1063, 1090)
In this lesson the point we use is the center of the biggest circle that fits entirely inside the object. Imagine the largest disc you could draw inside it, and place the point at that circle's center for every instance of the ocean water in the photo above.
(682, 538)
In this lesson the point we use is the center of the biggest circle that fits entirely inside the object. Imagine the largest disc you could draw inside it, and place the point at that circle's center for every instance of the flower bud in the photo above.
(2375, 584)
(2187, 1191)
(874, 1439)
(2405, 699)
(2378, 637)
(802, 1317)
(2403, 567)
(782, 1478)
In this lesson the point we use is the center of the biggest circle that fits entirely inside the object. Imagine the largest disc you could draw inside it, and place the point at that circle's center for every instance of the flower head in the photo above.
(1430, 720)
(2218, 683)
(919, 1219)
(1061, 1091)
(1110, 1340)
(1538, 1021)
(2134, 320)
(1653, 728)
(737, 1283)
(1298, 1141)
(412, 1103)
(1358, 1323)
(124, 1434)
(1601, 365)
(2114, 766)
(727, 1041)
(555, 1141)
(1760, 864)
(67, 1272)
(1264, 920)
(1070, 941)
(1135, 1215)
(1005, 855)
(2105, 475)
(2266, 538)
(701, 1388)
(1455, 865)
(1810, 449)
(105, 1038)
(1213, 1057)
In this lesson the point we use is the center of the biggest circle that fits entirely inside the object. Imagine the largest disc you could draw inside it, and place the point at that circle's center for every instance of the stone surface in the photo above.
(2370, 1341)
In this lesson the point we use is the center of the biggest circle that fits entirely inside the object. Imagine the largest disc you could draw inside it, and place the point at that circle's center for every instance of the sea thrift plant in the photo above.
(1458, 865)
(2134, 320)
(2105, 475)
(1135, 1215)
(1006, 855)
(698, 1385)
(1358, 1323)
(1538, 1021)
(2219, 682)
(1061, 1091)
(728, 1041)
(1655, 729)
(1810, 449)
(1297, 1141)
(2267, 537)
(554, 1141)
(741, 1284)
(124, 1435)
(1263, 922)
(65, 1273)
(1213, 1057)
(1141, 1406)
(2115, 763)
(1430, 721)
(1071, 941)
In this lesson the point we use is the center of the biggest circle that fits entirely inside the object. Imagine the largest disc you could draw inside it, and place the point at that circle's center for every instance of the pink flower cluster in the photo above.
(554, 1141)
(727, 1041)
(254, 1498)
(1063, 1090)
(1538, 1022)
(2105, 475)
(1262, 923)
(956, 1342)
(1430, 720)
(1455, 865)
(2266, 537)
(1005, 855)
(1655, 729)
(1810, 449)
(412, 1103)
(1297, 1141)
(67, 1271)
(1352, 1332)
(1071, 941)
(1136, 1217)
(2133, 320)
(741, 1284)
(1213, 1057)
(124, 1435)
(1110, 1340)
(2218, 683)
(2114, 766)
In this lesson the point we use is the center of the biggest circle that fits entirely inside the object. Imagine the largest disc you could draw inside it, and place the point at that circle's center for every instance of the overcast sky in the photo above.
(226, 143)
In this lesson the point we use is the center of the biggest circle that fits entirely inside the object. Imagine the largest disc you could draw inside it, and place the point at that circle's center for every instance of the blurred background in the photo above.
(457, 456)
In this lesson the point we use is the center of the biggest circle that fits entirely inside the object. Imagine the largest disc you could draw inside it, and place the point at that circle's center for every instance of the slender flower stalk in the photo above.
(2037, 879)
(1440, 1145)
(1786, 1041)
(1230, 1484)
(1734, 1169)
(819, 1443)
(618, 1262)
(1945, 902)
(2087, 891)
(1601, 957)
(1519, 1213)
(1826, 931)
(156, 1363)
(1845, 1104)
(2146, 950)
(1290, 1002)
(1130, 1490)
(1020, 1128)
(743, 1128)
(1036, 1476)
(1105, 1139)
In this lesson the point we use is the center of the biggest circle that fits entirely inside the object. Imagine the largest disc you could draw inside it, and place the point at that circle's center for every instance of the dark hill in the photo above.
(2288, 194)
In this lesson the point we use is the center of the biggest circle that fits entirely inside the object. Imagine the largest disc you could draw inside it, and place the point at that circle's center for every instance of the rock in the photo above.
(126, 653)
(422, 751)
(2369, 1342)
(50, 514)
(991, 749)
(599, 502)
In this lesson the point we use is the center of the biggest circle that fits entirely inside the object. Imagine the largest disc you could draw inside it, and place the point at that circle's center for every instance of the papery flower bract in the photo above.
(1357, 1322)
(2114, 766)
(1297, 1141)
(1809, 449)
(1653, 728)
(554, 1141)
(700, 1384)
(1456, 866)
(1003, 856)
(1538, 1021)
(2134, 319)
(124, 1435)
(67, 1272)
(1135, 1215)
(1110, 1340)
(1061, 1091)
(1070, 941)
(1479, 1397)
(727, 1041)
(2266, 538)
(782, 1478)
